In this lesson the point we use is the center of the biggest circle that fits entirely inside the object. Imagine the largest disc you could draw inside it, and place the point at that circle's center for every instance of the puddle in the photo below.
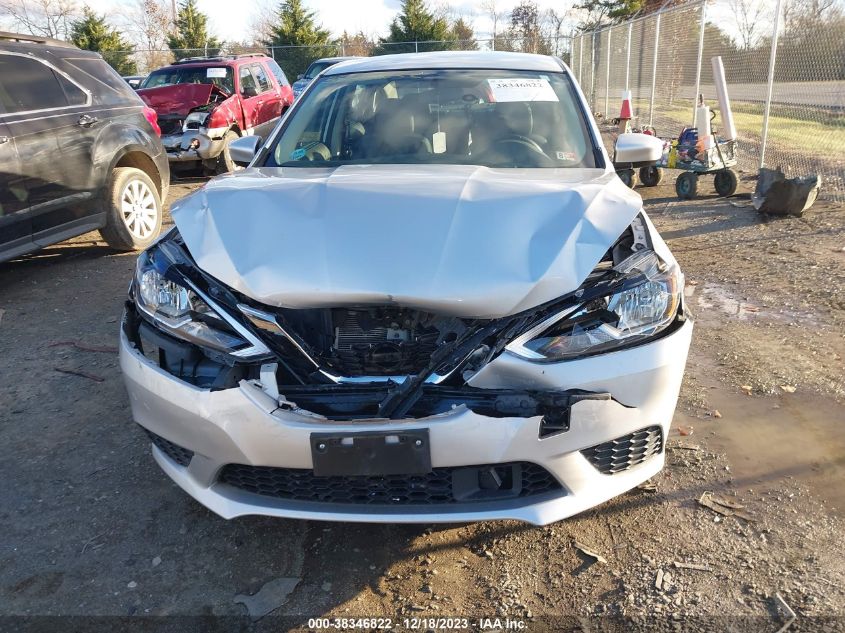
(770, 441)
(710, 298)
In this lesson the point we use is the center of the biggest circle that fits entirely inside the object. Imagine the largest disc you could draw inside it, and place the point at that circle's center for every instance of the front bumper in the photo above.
(244, 425)
(192, 145)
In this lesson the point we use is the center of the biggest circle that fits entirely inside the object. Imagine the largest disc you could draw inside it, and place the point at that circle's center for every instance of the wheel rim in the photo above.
(138, 209)
(235, 167)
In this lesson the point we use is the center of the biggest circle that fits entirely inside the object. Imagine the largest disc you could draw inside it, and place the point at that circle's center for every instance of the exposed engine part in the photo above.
(386, 341)
(355, 402)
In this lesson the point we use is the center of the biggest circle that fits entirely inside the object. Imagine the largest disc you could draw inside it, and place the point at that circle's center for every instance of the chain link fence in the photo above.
(295, 59)
(784, 64)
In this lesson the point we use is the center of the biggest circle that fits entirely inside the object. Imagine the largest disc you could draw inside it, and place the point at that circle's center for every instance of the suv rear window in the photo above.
(27, 84)
(278, 73)
(109, 87)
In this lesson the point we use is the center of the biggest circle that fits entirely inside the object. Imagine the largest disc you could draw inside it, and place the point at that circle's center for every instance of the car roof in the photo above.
(33, 39)
(449, 59)
(336, 59)
(230, 60)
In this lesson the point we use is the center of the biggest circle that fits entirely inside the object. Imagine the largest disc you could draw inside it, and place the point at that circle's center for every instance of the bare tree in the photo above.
(750, 22)
(555, 21)
(149, 23)
(262, 20)
(496, 16)
(44, 18)
(357, 44)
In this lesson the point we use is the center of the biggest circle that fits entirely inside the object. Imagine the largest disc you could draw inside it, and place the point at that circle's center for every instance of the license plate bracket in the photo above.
(371, 453)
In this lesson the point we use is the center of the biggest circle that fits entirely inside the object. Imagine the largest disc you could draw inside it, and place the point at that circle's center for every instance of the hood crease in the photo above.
(465, 241)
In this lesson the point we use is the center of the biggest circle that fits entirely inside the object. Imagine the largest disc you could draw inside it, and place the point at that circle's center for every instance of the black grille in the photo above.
(181, 456)
(624, 452)
(170, 125)
(441, 486)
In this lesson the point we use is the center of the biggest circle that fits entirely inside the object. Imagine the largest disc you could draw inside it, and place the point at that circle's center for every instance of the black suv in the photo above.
(79, 150)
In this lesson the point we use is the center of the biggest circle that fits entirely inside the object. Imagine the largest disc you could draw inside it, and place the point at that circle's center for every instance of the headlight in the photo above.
(194, 121)
(180, 311)
(645, 303)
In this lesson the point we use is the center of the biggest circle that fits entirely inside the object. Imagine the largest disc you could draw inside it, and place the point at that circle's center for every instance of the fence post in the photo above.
(700, 54)
(772, 59)
(654, 71)
(593, 70)
(580, 56)
(628, 59)
(416, 46)
(607, 77)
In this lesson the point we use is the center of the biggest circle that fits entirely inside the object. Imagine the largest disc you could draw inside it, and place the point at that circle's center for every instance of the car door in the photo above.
(76, 128)
(15, 227)
(269, 106)
(32, 96)
(251, 100)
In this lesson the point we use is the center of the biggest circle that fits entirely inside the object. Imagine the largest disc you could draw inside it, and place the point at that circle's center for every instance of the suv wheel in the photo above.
(225, 164)
(133, 210)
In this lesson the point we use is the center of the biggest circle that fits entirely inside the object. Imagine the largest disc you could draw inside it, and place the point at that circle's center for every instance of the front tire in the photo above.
(133, 210)
(225, 164)
(651, 175)
(686, 186)
(628, 176)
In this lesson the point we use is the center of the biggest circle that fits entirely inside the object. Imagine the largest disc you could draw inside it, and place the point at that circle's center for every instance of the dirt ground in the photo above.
(91, 527)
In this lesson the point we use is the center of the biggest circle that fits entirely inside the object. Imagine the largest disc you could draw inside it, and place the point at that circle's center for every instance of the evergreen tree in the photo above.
(297, 26)
(191, 38)
(464, 35)
(603, 12)
(416, 23)
(92, 33)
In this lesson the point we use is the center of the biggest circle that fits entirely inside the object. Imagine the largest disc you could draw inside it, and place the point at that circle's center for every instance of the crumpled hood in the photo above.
(459, 240)
(176, 99)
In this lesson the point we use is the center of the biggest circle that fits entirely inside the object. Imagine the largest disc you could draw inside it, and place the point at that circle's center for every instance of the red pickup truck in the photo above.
(204, 103)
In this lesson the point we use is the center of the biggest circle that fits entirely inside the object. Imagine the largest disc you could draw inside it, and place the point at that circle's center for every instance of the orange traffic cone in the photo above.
(625, 114)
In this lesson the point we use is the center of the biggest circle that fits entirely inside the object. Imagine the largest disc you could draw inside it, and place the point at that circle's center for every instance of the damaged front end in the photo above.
(194, 119)
(391, 362)
(391, 413)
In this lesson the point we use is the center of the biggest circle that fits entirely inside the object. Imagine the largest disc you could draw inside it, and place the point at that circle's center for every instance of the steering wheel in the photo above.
(521, 147)
(522, 141)
(318, 152)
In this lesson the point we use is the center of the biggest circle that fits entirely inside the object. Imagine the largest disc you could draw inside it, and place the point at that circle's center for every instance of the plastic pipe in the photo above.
(725, 113)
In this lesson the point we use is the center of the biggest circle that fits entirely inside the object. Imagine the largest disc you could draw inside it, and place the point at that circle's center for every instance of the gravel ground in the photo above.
(91, 527)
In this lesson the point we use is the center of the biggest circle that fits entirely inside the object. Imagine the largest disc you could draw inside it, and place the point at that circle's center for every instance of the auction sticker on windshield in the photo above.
(212, 73)
(521, 89)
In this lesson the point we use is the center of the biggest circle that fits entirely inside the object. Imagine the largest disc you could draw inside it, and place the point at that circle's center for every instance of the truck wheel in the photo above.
(651, 175)
(628, 176)
(133, 210)
(686, 186)
(726, 182)
(225, 164)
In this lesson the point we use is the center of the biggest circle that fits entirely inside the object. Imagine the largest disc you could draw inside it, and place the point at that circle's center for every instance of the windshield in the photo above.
(316, 68)
(495, 118)
(221, 77)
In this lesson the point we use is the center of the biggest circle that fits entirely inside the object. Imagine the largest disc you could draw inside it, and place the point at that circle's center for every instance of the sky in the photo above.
(370, 16)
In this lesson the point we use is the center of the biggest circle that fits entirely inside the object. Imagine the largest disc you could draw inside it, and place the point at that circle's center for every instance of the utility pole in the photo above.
(173, 6)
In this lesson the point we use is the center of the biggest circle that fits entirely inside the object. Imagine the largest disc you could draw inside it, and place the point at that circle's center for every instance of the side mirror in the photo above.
(637, 149)
(249, 91)
(300, 76)
(243, 150)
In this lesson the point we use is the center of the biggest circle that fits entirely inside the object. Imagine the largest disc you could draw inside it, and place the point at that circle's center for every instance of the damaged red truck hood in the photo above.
(176, 99)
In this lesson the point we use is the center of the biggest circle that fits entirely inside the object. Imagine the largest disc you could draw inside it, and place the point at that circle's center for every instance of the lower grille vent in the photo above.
(178, 454)
(625, 452)
(441, 486)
